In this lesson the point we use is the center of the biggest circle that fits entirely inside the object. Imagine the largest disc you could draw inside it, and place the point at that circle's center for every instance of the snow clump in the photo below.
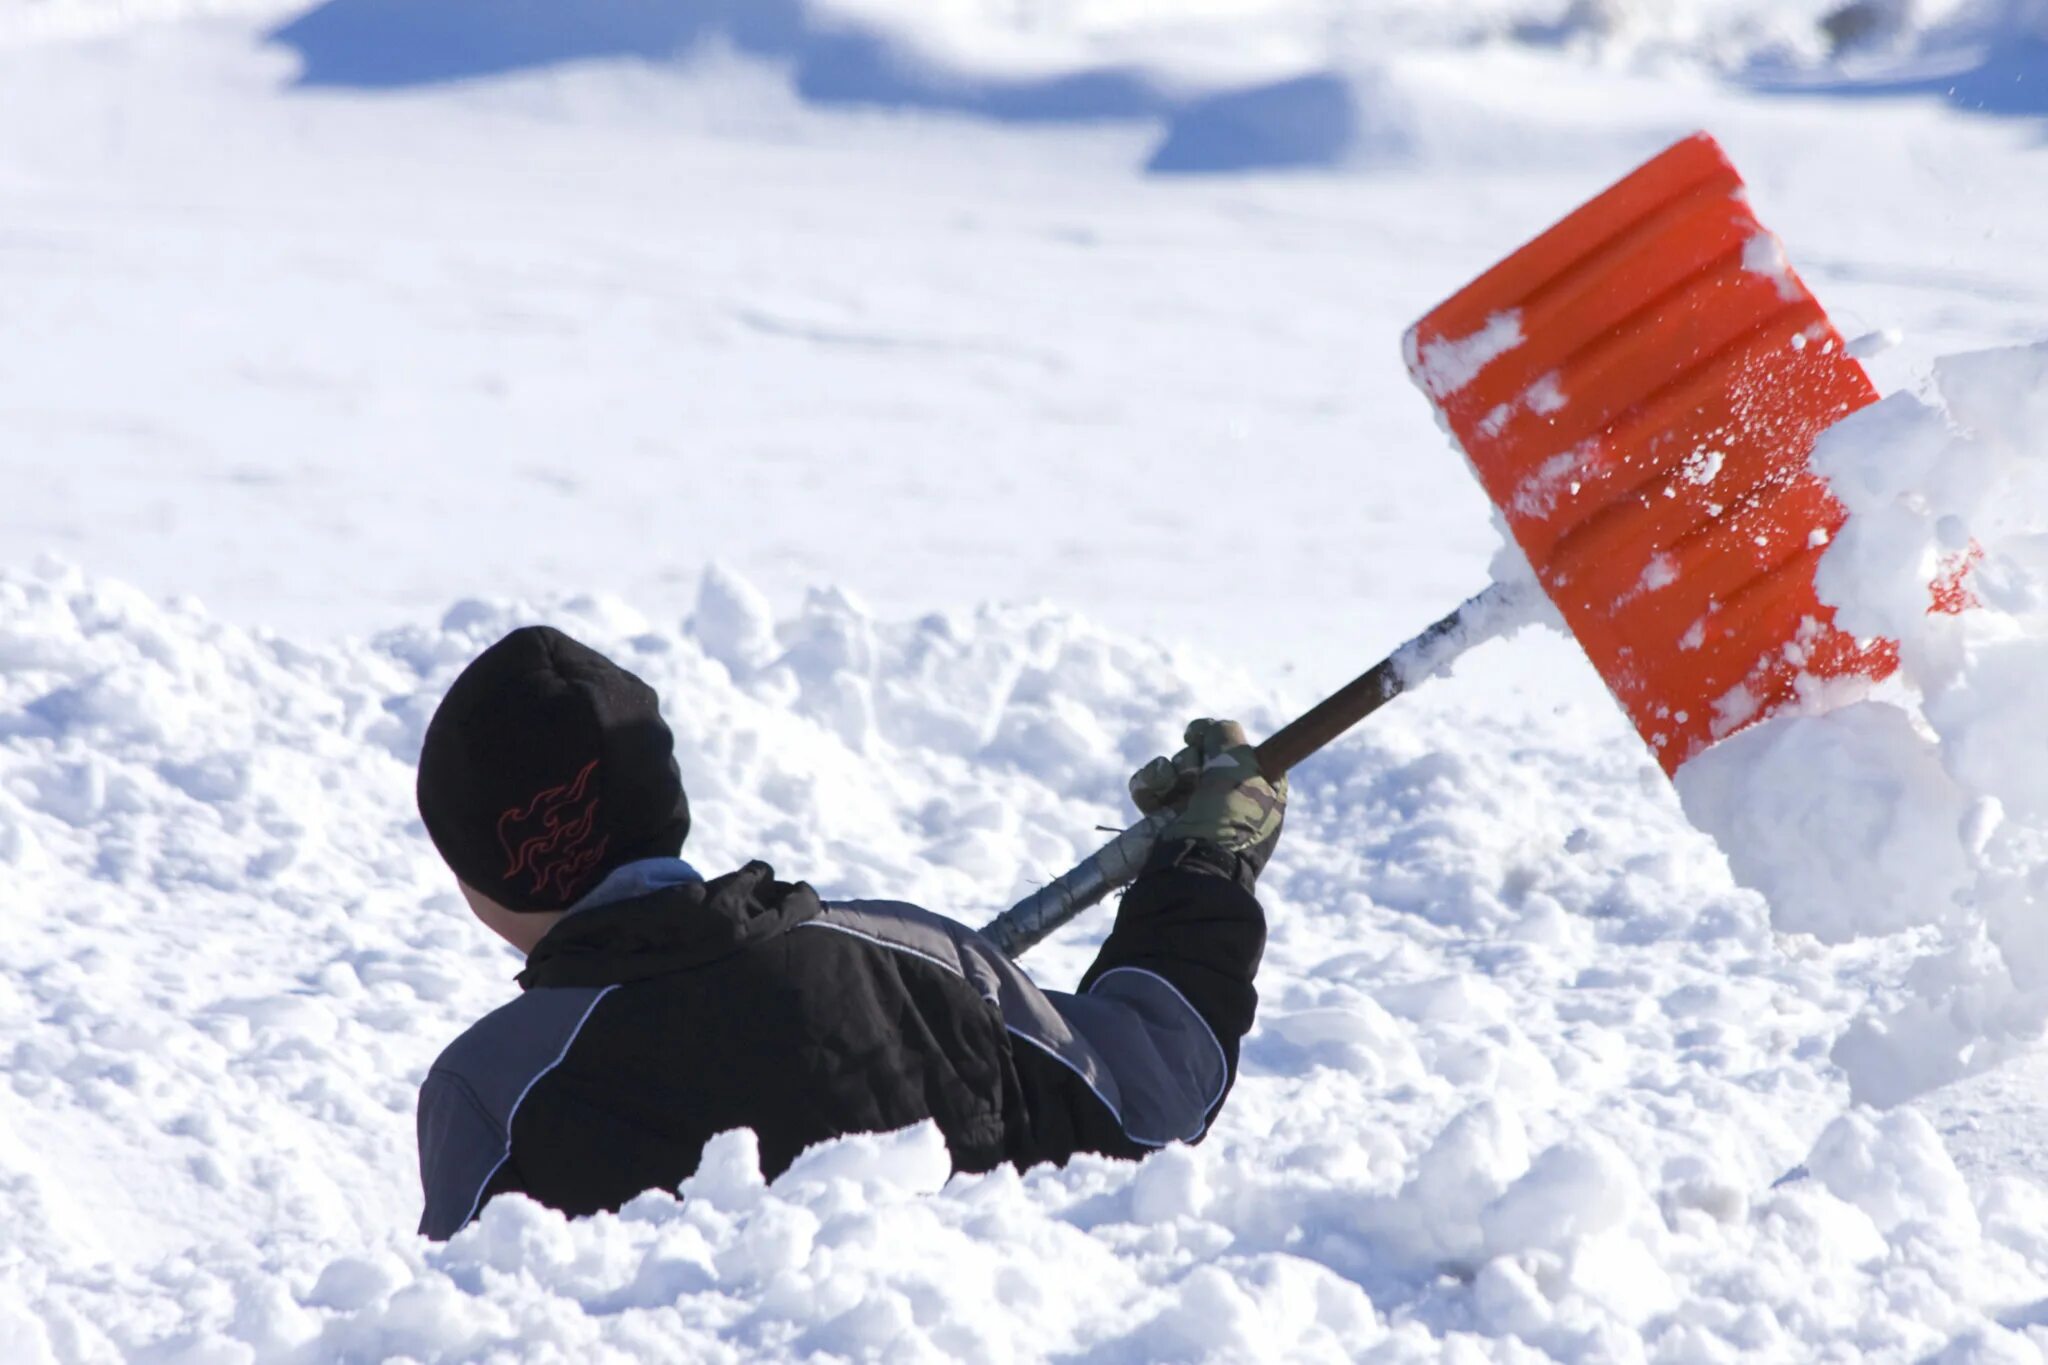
(1922, 807)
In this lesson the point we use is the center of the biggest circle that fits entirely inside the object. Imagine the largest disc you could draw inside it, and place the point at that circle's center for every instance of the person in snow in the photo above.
(659, 1008)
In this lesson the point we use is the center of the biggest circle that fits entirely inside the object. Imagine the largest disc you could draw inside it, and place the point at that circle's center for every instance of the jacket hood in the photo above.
(674, 929)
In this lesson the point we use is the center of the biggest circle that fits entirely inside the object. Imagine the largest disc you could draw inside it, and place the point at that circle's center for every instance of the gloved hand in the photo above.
(1215, 787)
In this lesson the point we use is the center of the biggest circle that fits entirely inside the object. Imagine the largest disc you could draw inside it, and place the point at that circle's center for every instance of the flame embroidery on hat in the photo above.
(548, 838)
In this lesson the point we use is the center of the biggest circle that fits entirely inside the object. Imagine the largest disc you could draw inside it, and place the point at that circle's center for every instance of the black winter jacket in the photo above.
(648, 1026)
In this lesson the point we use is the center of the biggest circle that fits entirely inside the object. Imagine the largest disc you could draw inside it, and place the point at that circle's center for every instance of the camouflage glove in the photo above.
(1215, 786)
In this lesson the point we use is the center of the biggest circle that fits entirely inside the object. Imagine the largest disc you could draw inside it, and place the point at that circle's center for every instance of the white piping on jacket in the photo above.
(477, 1202)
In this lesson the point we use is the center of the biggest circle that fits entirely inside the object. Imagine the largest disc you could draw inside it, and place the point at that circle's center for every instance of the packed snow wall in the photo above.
(1924, 807)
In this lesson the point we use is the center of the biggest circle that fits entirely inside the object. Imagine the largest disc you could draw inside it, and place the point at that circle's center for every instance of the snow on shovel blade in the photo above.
(1639, 389)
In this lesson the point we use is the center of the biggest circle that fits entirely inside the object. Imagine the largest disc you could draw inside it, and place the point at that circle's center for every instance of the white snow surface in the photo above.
(1523, 1077)
(1926, 806)
(651, 347)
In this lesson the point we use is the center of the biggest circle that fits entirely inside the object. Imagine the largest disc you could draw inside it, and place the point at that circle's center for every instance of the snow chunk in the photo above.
(1870, 345)
(1846, 822)
(1537, 495)
(1446, 365)
(1574, 1189)
(1545, 396)
(1895, 1169)
(1925, 807)
(1660, 572)
(733, 621)
(1764, 254)
(1703, 466)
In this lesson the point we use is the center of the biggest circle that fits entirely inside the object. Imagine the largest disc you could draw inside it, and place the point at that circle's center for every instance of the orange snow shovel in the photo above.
(1638, 390)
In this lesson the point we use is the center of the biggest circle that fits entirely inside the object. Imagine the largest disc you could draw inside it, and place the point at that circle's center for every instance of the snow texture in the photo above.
(644, 318)
(1926, 808)
(1523, 1075)
(1764, 255)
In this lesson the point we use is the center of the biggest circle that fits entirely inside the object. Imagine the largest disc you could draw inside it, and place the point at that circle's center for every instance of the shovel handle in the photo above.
(1497, 610)
(1311, 731)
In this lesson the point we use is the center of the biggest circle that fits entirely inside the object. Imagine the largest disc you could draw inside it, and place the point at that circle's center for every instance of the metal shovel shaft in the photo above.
(1497, 610)
(1113, 865)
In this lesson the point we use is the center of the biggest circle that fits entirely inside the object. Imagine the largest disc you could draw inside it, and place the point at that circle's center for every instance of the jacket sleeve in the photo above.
(1144, 1054)
(461, 1148)
(472, 1095)
(1191, 928)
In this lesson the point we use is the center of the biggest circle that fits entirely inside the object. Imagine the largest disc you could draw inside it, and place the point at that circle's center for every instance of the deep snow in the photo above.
(1533, 1063)
(1525, 1069)
(1926, 805)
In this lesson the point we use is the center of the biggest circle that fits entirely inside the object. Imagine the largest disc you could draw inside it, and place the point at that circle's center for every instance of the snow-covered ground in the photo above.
(883, 319)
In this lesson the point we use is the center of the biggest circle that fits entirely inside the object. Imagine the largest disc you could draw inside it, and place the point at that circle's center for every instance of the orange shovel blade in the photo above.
(1639, 390)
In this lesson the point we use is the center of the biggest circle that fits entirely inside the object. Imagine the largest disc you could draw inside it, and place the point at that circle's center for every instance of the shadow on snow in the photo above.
(2006, 77)
(1308, 121)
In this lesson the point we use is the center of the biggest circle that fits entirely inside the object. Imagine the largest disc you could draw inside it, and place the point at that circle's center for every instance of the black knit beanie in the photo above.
(545, 767)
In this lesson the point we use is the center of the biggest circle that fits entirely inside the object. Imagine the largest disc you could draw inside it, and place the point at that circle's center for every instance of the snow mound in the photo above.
(1926, 809)
(1112, 59)
(1107, 58)
(1242, 85)
(1305, 121)
(834, 53)
(1526, 1068)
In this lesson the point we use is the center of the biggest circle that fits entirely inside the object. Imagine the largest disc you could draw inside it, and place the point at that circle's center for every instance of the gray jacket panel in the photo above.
(1169, 1066)
(474, 1088)
(1133, 1038)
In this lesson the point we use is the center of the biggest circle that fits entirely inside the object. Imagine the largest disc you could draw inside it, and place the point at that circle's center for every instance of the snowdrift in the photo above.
(1924, 808)
(1255, 85)
(1527, 1067)
(1242, 86)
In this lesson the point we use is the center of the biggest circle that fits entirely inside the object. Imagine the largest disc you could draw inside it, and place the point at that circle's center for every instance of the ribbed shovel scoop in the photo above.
(1639, 390)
